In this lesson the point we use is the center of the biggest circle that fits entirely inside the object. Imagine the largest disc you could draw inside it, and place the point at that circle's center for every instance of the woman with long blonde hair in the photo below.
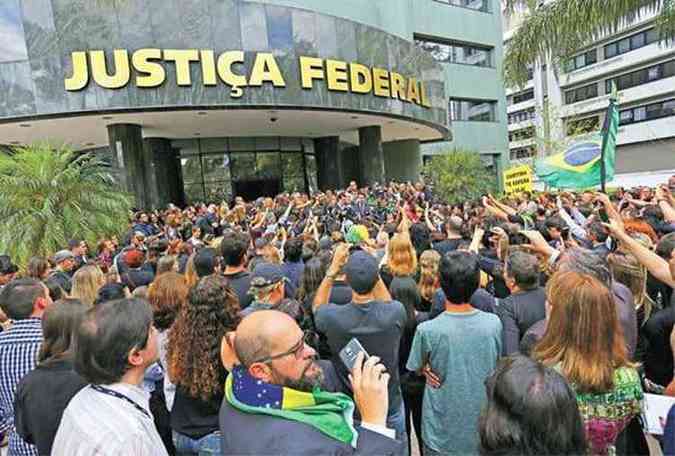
(191, 276)
(428, 282)
(401, 258)
(86, 283)
(584, 342)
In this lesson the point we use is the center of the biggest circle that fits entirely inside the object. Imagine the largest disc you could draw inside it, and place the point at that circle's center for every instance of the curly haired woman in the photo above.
(194, 364)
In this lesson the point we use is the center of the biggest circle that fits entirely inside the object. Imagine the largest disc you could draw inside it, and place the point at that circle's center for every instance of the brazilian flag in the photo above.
(581, 164)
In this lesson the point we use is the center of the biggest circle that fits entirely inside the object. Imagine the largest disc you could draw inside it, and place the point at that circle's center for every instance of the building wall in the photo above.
(437, 19)
(647, 146)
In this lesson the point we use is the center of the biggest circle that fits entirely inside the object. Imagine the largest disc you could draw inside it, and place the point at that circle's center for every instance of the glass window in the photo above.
(448, 52)
(637, 41)
(243, 165)
(653, 73)
(267, 165)
(12, 40)
(653, 111)
(624, 45)
(580, 61)
(192, 168)
(626, 116)
(639, 114)
(611, 50)
(294, 178)
(216, 167)
(472, 110)
(668, 108)
(591, 57)
(480, 5)
(652, 36)
(669, 69)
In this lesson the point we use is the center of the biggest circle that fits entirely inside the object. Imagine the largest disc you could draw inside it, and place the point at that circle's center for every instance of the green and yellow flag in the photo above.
(581, 164)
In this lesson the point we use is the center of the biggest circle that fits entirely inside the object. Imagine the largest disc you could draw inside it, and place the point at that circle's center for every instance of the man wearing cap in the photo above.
(65, 263)
(7, 270)
(267, 288)
(371, 317)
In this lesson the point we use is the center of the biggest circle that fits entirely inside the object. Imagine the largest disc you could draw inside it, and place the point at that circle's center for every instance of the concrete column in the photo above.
(162, 173)
(402, 160)
(126, 144)
(371, 156)
(328, 163)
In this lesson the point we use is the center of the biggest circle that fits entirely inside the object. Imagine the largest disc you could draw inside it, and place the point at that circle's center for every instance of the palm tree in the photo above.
(558, 28)
(48, 196)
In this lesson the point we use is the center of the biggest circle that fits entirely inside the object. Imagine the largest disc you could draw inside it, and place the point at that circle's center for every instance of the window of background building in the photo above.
(582, 60)
(521, 97)
(522, 134)
(582, 126)
(643, 76)
(651, 111)
(521, 116)
(523, 152)
(460, 53)
(581, 93)
(480, 5)
(472, 110)
(630, 43)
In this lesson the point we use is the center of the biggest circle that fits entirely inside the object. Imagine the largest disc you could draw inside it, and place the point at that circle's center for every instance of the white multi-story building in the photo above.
(563, 100)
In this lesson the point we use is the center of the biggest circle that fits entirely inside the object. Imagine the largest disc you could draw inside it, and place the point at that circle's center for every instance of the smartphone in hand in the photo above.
(350, 351)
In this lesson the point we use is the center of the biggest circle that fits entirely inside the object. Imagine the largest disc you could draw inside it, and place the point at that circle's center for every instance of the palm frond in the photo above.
(48, 196)
(559, 28)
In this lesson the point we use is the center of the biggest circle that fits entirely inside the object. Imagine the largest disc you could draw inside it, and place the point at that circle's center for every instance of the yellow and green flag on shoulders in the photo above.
(581, 164)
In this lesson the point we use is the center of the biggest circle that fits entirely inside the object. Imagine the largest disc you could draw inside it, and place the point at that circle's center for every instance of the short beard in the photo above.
(305, 383)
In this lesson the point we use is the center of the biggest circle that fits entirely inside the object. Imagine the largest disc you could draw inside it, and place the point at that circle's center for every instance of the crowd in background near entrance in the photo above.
(532, 324)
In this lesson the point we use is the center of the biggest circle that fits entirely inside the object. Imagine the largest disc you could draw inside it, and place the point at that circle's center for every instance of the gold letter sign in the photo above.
(230, 67)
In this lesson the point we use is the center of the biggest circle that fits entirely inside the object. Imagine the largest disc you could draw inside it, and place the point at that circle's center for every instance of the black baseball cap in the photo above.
(362, 271)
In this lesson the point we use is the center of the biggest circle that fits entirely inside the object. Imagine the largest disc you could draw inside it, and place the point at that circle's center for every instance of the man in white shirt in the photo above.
(116, 343)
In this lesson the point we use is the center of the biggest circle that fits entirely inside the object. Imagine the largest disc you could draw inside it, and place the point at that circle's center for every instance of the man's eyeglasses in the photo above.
(308, 338)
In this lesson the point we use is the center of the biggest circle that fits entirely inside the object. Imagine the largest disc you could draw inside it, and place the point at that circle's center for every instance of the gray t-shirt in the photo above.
(462, 348)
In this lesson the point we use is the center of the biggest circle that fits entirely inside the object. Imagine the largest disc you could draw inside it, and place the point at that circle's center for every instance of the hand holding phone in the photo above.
(349, 353)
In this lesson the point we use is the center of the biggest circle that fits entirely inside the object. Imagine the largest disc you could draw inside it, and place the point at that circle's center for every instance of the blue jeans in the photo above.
(205, 446)
(396, 421)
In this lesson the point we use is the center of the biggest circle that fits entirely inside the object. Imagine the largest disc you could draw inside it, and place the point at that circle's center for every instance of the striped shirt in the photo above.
(95, 423)
(19, 347)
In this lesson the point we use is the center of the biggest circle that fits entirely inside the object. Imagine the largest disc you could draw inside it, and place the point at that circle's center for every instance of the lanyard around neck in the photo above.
(118, 395)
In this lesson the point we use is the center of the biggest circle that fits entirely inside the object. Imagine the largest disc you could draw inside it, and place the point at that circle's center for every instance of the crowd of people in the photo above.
(349, 322)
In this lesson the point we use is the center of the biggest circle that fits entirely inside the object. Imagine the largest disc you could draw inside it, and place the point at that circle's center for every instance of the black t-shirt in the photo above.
(377, 325)
(446, 245)
(655, 341)
(41, 397)
(195, 417)
(240, 283)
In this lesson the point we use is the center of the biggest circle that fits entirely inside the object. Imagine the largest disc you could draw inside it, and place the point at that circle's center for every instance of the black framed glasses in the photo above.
(308, 338)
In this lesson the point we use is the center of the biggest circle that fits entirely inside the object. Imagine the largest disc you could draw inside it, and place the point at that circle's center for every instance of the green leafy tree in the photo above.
(48, 196)
(459, 175)
(558, 28)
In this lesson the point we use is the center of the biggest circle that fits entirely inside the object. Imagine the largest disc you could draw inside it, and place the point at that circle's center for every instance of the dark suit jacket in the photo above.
(518, 313)
(247, 434)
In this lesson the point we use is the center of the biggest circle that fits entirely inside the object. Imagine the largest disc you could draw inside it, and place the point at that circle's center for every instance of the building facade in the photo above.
(465, 37)
(561, 102)
(194, 100)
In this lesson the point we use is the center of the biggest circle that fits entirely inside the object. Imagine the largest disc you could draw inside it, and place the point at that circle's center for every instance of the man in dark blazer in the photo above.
(272, 353)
